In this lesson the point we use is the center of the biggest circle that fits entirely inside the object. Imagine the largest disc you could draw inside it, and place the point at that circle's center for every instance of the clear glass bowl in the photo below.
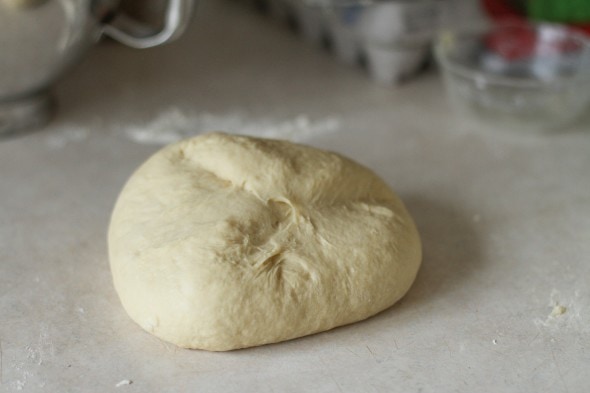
(525, 77)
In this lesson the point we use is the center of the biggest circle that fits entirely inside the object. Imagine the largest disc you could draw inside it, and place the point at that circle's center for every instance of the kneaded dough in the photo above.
(222, 242)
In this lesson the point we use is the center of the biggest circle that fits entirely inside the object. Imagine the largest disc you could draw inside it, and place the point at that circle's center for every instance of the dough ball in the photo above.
(221, 242)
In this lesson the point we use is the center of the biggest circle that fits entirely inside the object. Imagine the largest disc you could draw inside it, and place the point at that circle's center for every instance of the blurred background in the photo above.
(519, 63)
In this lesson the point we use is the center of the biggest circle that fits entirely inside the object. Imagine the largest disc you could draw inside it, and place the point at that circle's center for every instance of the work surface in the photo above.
(505, 223)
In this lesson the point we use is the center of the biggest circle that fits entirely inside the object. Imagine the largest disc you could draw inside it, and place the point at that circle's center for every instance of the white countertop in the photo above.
(505, 222)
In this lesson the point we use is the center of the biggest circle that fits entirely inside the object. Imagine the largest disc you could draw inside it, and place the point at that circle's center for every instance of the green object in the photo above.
(562, 11)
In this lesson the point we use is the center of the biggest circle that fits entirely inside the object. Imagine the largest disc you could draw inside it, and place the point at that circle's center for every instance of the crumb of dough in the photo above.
(558, 310)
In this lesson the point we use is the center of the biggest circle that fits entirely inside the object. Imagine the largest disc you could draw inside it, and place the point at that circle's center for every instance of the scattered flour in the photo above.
(173, 125)
(44, 348)
(19, 385)
(67, 135)
(27, 362)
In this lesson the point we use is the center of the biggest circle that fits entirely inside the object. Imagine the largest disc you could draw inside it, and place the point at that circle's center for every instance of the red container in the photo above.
(515, 11)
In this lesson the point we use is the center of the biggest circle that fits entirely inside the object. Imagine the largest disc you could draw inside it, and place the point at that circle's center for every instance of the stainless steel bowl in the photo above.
(41, 39)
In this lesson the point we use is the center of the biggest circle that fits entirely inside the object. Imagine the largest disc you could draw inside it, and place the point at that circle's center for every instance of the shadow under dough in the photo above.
(451, 256)
(450, 247)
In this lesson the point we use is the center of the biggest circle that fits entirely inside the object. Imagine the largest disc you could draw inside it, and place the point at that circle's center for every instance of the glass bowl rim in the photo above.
(492, 79)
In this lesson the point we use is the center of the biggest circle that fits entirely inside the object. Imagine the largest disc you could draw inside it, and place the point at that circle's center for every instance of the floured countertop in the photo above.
(501, 302)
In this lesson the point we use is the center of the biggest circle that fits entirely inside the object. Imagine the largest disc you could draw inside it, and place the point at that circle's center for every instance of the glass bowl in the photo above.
(525, 77)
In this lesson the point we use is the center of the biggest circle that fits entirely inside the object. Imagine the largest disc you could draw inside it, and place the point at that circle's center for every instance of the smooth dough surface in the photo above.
(222, 242)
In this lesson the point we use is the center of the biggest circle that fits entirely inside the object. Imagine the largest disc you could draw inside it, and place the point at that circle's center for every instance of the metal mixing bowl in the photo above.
(41, 39)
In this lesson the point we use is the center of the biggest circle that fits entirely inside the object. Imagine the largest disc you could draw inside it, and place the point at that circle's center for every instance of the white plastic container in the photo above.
(310, 21)
(279, 9)
(396, 36)
(391, 22)
(342, 29)
(390, 65)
